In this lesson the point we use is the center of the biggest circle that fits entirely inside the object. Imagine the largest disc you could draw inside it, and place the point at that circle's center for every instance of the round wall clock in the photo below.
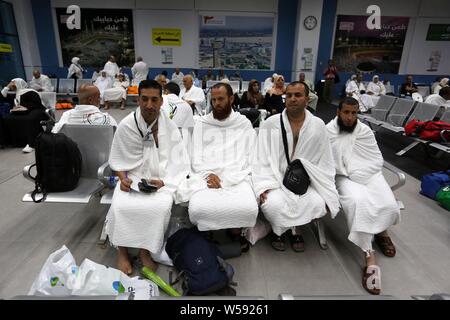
(310, 22)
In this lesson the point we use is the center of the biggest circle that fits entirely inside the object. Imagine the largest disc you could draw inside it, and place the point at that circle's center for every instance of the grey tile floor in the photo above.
(29, 233)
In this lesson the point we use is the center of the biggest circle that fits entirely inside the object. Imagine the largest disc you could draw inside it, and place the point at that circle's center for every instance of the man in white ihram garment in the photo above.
(313, 98)
(40, 82)
(103, 83)
(375, 89)
(193, 95)
(307, 140)
(86, 111)
(368, 203)
(356, 89)
(177, 77)
(111, 67)
(118, 92)
(139, 71)
(177, 109)
(440, 99)
(223, 144)
(147, 145)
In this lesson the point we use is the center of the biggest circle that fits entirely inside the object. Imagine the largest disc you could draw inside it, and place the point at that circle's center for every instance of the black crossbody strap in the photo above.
(285, 143)
(137, 125)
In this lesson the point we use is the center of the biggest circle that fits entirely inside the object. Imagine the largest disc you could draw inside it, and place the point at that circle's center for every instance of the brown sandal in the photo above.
(386, 245)
(278, 242)
(373, 274)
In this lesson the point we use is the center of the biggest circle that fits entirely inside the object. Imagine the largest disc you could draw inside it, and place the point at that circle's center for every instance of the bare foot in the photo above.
(147, 260)
(123, 261)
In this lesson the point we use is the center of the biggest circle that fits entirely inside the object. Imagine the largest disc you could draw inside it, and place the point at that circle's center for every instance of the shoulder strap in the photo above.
(137, 126)
(285, 143)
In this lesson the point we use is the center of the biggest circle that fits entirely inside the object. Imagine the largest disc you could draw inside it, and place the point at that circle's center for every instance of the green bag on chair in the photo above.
(443, 196)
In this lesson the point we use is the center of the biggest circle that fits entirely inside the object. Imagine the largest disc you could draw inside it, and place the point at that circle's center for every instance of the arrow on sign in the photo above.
(159, 39)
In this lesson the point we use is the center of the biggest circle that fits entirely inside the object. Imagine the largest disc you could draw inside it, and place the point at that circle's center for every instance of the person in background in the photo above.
(252, 98)
(139, 71)
(97, 73)
(75, 70)
(177, 77)
(221, 75)
(26, 121)
(40, 82)
(209, 76)
(313, 98)
(409, 87)
(442, 84)
(111, 67)
(273, 100)
(86, 111)
(330, 74)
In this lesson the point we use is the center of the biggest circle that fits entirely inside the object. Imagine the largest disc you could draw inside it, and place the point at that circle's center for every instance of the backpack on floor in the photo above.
(199, 262)
(58, 164)
(432, 183)
(443, 197)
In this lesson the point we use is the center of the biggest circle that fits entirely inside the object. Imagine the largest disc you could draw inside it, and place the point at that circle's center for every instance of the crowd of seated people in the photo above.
(231, 173)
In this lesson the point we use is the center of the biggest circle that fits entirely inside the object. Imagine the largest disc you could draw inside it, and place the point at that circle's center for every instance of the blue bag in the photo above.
(5, 108)
(199, 262)
(432, 183)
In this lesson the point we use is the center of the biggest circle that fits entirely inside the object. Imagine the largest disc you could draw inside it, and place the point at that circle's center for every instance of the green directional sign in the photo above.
(166, 37)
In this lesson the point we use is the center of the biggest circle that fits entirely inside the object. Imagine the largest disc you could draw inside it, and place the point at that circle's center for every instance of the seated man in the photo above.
(409, 87)
(367, 201)
(87, 111)
(147, 145)
(178, 76)
(118, 92)
(102, 83)
(177, 109)
(193, 95)
(441, 99)
(41, 82)
(356, 89)
(223, 143)
(307, 141)
(375, 89)
(313, 98)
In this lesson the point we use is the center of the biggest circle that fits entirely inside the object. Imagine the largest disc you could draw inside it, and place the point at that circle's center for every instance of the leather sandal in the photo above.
(373, 275)
(386, 245)
(278, 242)
(297, 242)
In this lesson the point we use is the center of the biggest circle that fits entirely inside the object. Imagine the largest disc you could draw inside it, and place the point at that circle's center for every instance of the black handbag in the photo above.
(296, 179)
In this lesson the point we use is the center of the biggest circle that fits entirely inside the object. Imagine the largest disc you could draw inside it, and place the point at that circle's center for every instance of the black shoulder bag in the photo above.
(296, 178)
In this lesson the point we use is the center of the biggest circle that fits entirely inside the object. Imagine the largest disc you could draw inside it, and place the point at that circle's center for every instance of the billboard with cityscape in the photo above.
(359, 49)
(236, 42)
(103, 32)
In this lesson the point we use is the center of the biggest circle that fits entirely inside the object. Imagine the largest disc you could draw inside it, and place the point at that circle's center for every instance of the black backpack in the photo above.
(58, 164)
(200, 263)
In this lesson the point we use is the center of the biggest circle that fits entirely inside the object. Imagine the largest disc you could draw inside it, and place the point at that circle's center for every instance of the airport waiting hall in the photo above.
(81, 76)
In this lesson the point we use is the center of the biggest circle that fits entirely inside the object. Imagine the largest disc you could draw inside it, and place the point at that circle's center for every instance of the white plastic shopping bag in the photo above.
(94, 279)
(58, 272)
(259, 231)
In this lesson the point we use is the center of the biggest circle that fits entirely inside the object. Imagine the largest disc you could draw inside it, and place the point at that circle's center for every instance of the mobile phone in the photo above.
(146, 187)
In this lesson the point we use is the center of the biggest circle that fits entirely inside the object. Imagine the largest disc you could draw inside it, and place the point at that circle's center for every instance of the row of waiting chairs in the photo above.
(393, 114)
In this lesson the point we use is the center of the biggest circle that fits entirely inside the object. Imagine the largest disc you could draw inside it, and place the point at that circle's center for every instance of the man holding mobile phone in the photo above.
(151, 162)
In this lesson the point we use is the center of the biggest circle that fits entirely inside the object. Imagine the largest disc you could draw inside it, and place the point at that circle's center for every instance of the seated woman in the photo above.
(252, 98)
(23, 125)
(16, 85)
(118, 92)
(273, 100)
